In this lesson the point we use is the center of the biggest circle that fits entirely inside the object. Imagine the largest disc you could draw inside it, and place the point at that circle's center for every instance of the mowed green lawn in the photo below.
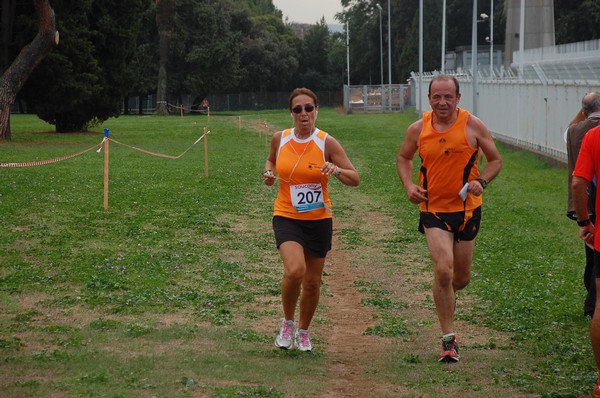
(166, 293)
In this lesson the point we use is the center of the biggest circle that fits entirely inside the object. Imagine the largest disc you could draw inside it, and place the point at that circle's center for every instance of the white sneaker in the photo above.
(284, 338)
(303, 340)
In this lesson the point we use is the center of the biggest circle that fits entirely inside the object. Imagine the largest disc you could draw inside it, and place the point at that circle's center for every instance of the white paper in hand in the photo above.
(463, 192)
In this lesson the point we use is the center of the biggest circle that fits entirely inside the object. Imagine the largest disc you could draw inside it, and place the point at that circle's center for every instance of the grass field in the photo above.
(174, 290)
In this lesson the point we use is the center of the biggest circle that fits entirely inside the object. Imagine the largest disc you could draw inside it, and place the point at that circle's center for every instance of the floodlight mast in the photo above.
(380, 50)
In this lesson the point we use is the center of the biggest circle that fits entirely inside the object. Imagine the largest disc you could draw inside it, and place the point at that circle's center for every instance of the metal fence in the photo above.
(379, 98)
(187, 104)
(531, 104)
(364, 98)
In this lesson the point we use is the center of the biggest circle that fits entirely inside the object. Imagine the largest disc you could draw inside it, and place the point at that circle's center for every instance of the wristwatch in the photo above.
(482, 182)
(583, 223)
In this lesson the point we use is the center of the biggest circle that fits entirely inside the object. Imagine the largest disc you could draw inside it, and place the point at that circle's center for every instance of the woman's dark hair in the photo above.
(303, 91)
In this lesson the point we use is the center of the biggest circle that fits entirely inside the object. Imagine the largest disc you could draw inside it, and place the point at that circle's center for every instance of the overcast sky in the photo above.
(309, 11)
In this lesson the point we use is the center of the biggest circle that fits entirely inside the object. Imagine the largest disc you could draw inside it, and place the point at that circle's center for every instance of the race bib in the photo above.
(307, 197)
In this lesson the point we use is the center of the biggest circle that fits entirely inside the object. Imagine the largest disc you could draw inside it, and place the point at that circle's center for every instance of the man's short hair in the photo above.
(590, 103)
(442, 77)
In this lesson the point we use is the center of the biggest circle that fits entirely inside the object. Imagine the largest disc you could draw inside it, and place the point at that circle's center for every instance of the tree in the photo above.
(263, 7)
(432, 34)
(29, 58)
(337, 62)
(576, 21)
(269, 55)
(86, 79)
(204, 54)
(364, 34)
(145, 62)
(165, 9)
(314, 60)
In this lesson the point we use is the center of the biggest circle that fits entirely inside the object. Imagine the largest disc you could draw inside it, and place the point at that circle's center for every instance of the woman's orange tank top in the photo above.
(303, 193)
(448, 162)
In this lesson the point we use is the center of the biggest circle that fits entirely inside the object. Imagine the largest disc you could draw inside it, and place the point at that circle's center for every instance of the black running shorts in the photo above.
(464, 225)
(314, 235)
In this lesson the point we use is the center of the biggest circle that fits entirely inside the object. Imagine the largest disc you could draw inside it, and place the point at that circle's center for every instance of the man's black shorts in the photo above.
(314, 235)
(464, 225)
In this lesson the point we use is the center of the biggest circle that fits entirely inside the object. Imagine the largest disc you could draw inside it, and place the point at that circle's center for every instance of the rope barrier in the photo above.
(162, 155)
(49, 161)
(99, 149)
(106, 145)
(184, 108)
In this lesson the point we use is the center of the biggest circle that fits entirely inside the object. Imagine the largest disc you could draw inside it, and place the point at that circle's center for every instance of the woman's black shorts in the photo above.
(314, 235)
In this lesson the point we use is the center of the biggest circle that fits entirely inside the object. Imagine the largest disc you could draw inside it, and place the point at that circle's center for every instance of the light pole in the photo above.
(390, 54)
(490, 39)
(380, 50)
(348, 51)
(474, 57)
(420, 91)
(443, 66)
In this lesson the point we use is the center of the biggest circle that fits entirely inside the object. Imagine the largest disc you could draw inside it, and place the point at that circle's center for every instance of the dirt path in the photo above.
(348, 348)
(357, 359)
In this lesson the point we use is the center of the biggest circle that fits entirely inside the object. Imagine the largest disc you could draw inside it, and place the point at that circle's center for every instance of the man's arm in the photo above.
(580, 197)
(580, 116)
(580, 202)
(484, 141)
(404, 163)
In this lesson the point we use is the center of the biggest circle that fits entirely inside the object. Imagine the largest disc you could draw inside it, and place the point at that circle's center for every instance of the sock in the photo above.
(448, 336)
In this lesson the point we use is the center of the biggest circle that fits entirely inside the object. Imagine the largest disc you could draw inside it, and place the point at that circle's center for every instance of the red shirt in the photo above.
(588, 163)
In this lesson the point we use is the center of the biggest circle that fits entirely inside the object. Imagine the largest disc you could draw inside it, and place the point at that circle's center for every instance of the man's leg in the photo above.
(595, 331)
(589, 280)
(463, 260)
(441, 245)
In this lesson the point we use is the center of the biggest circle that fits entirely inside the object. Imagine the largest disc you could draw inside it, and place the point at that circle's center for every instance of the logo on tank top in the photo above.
(452, 151)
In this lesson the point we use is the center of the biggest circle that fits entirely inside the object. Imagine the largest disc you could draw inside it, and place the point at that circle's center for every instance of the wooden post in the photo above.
(106, 158)
(239, 124)
(266, 134)
(181, 110)
(205, 152)
(259, 130)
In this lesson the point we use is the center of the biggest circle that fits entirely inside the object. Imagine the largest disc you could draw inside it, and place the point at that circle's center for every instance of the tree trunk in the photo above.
(164, 19)
(13, 79)
(141, 102)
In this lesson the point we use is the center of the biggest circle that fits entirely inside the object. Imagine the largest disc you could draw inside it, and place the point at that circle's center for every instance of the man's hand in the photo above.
(416, 194)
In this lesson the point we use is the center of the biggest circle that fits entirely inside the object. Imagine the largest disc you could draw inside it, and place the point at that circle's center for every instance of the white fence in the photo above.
(534, 111)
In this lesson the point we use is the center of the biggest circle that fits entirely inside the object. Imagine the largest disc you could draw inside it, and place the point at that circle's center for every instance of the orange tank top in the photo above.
(303, 193)
(448, 162)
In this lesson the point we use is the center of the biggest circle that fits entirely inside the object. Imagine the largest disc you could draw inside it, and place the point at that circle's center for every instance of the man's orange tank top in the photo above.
(448, 162)
(303, 193)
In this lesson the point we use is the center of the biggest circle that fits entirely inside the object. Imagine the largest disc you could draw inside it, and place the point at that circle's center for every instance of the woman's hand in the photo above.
(268, 177)
(330, 169)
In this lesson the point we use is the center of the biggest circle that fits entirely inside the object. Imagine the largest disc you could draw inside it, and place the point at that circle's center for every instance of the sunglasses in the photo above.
(308, 108)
